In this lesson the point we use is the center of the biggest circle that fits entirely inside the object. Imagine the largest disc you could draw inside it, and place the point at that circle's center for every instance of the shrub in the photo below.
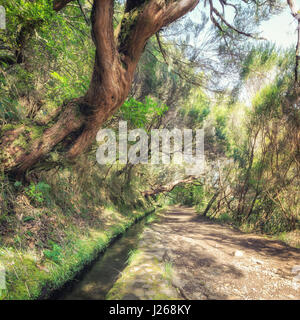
(38, 193)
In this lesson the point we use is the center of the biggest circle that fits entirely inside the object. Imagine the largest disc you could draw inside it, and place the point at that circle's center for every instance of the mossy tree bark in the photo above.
(117, 55)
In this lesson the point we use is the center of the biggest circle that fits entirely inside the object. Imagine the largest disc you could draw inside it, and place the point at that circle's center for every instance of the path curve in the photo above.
(214, 261)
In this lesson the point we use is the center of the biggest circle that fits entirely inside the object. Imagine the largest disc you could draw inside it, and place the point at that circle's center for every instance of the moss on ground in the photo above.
(28, 277)
(55, 225)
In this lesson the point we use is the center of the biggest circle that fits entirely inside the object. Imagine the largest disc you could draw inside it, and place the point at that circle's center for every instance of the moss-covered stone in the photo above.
(147, 276)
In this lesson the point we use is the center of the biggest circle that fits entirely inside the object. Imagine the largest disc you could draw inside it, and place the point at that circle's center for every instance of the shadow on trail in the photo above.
(210, 230)
(210, 257)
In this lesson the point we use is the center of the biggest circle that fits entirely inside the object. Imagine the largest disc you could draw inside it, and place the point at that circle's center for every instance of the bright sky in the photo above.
(281, 29)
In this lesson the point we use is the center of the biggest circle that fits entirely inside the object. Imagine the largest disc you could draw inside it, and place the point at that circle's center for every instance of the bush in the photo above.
(38, 193)
(225, 217)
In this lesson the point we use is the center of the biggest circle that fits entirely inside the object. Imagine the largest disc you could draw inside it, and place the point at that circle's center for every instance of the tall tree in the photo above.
(117, 55)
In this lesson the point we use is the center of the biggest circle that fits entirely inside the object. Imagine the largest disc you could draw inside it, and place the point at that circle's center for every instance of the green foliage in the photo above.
(168, 270)
(260, 59)
(38, 193)
(198, 115)
(267, 100)
(225, 218)
(28, 218)
(9, 109)
(187, 195)
(140, 113)
(196, 109)
(151, 218)
(54, 49)
(47, 250)
(54, 254)
(18, 184)
(258, 190)
(133, 254)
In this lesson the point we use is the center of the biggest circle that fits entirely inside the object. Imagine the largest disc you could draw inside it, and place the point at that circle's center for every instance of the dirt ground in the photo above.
(213, 261)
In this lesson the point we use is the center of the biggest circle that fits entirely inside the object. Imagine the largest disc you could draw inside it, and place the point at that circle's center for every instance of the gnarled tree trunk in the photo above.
(117, 54)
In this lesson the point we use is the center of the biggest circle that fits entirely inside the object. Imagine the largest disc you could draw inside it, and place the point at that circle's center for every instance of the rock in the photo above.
(238, 253)
(146, 287)
(199, 296)
(138, 285)
(177, 282)
(256, 261)
(157, 253)
(139, 293)
(130, 296)
(169, 292)
(150, 293)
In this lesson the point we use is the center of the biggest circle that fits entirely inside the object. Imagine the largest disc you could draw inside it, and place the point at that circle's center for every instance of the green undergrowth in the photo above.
(290, 238)
(54, 225)
(26, 278)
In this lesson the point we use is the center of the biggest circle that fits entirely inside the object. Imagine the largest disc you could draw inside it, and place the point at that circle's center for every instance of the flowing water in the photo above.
(97, 279)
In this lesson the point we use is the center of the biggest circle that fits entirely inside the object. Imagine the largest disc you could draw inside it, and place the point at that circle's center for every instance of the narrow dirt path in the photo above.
(208, 261)
(213, 261)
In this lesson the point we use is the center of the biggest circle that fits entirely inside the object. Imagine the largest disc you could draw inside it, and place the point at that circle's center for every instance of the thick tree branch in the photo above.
(60, 4)
(110, 82)
(115, 63)
(168, 187)
(145, 20)
(162, 50)
(116, 59)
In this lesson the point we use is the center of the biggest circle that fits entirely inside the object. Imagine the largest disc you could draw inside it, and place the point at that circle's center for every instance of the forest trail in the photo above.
(212, 261)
